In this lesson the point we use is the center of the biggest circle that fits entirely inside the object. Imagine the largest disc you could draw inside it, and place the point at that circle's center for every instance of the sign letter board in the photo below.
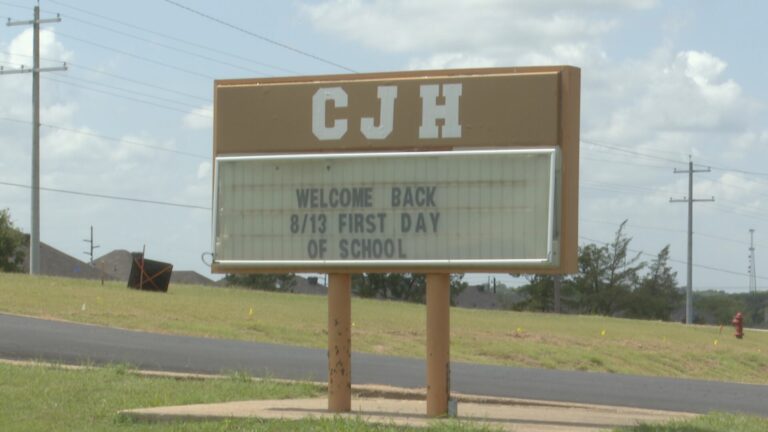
(440, 171)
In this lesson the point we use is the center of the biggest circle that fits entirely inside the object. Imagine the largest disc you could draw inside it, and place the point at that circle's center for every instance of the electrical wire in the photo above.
(665, 167)
(129, 98)
(628, 151)
(110, 138)
(65, 80)
(616, 188)
(175, 39)
(681, 231)
(112, 75)
(656, 228)
(15, 5)
(645, 155)
(136, 56)
(740, 171)
(258, 36)
(112, 197)
(174, 49)
(703, 266)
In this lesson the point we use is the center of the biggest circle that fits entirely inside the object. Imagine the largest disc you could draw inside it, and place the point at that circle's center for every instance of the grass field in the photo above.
(589, 343)
(43, 398)
(40, 398)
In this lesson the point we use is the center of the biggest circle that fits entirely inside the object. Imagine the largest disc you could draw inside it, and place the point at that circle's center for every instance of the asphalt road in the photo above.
(36, 339)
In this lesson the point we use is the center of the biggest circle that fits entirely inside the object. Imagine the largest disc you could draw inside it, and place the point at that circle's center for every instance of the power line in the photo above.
(120, 77)
(728, 210)
(130, 98)
(632, 152)
(616, 188)
(15, 5)
(110, 138)
(142, 83)
(656, 228)
(646, 155)
(258, 36)
(176, 39)
(741, 171)
(174, 49)
(136, 56)
(707, 267)
(162, 99)
(626, 163)
(112, 197)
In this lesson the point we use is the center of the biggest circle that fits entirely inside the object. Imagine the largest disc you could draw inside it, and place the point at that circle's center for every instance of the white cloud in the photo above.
(668, 98)
(52, 52)
(451, 61)
(200, 118)
(507, 29)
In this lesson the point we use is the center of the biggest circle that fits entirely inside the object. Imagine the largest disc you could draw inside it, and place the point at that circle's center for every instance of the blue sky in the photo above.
(661, 80)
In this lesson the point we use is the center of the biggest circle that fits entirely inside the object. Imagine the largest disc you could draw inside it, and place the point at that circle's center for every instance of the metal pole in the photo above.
(34, 229)
(558, 282)
(438, 344)
(752, 270)
(689, 287)
(91, 242)
(339, 343)
(34, 235)
(690, 200)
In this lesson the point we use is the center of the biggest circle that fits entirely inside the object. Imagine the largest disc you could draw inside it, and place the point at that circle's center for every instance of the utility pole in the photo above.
(752, 273)
(34, 234)
(558, 282)
(690, 200)
(90, 242)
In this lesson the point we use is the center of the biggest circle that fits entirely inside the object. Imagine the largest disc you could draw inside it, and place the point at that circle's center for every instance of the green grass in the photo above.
(588, 343)
(713, 422)
(42, 398)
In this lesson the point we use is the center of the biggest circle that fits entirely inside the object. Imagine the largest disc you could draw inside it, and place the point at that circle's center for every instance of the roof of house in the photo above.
(310, 285)
(116, 264)
(54, 262)
(190, 278)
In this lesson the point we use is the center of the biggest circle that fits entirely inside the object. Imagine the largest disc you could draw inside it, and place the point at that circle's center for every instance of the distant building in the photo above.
(116, 264)
(54, 262)
(190, 277)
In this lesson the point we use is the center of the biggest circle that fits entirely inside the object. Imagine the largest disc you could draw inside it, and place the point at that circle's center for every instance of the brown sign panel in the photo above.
(412, 111)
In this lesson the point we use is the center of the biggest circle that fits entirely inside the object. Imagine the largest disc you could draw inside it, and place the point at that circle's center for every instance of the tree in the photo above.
(457, 286)
(539, 294)
(11, 244)
(606, 276)
(657, 295)
(410, 287)
(263, 281)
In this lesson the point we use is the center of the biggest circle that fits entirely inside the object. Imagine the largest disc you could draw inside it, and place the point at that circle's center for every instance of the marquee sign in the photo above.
(465, 170)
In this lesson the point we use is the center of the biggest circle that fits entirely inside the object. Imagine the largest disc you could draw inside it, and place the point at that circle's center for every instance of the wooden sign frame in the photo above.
(500, 108)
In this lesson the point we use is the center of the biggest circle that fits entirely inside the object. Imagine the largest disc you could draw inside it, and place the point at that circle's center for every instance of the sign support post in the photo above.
(438, 344)
(339, 342)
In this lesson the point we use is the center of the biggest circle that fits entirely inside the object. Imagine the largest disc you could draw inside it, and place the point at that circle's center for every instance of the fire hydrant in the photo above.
(738, 323)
